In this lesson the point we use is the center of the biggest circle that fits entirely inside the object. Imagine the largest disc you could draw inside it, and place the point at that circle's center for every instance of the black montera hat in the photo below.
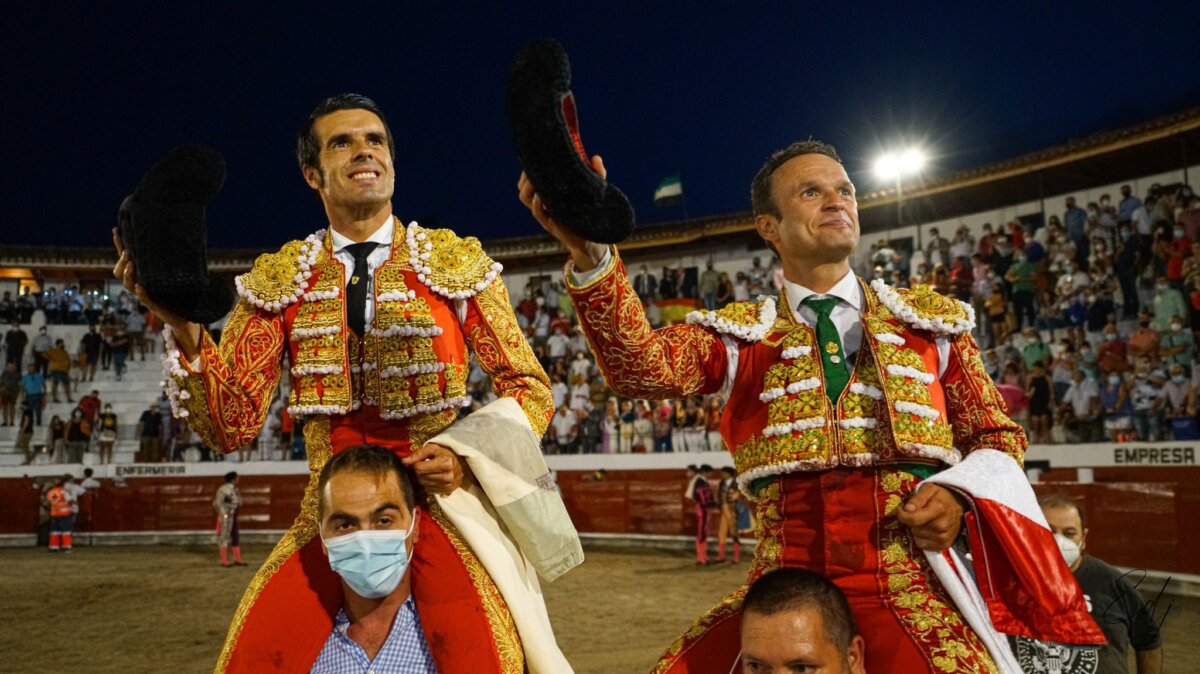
(545, 126)
(163, 228)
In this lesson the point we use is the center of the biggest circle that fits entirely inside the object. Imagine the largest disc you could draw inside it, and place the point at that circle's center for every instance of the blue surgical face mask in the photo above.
(372, 562)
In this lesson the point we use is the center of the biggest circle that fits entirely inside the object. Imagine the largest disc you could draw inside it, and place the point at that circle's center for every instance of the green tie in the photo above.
(833, 358)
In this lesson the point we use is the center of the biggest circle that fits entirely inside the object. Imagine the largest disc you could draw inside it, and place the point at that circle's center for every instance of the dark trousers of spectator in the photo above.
(567, 447)
(105, 355)
(1130, 292)
(1084, 430)
(663, 444)
(119, 363)
(1147, 424)
(75, 450)
(710, 301)
(42, 363)
(35, 401)
(151, 449)
(1023, 304)
(590, 444)
(15, 357)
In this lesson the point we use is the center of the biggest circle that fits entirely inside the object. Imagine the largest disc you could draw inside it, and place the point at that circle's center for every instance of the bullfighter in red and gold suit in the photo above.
(397, 381)
(834, 472)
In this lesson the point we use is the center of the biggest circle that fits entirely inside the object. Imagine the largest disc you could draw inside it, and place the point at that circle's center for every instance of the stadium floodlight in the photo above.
(887, 167)
(892, 167)
(912, 161)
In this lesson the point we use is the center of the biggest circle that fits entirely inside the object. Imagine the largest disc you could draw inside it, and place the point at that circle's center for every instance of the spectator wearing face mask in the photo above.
(1112, 600)
(1177, 251)
(369, 541)
(963, 244)
(1080, 411)
(1111, 354)
(1144, 395)
(1089, 360)
(997, 311)
(1035, 351)
(1144, 341)
(79, 434)
(1117, 405)
(1021, 275)
(42, 344)
(1177, 404)
(1142, 220)
(1178, 345)
(1168, 304)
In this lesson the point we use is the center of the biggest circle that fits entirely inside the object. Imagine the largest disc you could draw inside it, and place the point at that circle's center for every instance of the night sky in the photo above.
(95, 95)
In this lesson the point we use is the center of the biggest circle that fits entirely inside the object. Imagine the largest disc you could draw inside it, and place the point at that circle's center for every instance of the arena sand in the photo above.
(165, 609)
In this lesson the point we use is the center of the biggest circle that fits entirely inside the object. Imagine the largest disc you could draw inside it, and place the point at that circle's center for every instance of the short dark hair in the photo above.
(308, 146)
(371, 459)
(1058, 499)
(760, 188)
(231, 476)
(790, 589)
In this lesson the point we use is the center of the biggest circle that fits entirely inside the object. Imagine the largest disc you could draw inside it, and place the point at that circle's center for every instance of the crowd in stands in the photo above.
(71, 306)
(1087, 324)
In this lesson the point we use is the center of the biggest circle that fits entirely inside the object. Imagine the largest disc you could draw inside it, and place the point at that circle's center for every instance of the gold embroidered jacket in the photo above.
(411, 363)
(778, 418)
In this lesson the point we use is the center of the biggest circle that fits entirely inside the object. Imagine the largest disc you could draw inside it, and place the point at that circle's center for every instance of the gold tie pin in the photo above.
(354, 280)
(831, 347)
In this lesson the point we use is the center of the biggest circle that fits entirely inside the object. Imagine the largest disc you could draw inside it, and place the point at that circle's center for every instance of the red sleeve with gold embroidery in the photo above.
(496, 339)
(228, 400)
(638, 361)
(978, 415)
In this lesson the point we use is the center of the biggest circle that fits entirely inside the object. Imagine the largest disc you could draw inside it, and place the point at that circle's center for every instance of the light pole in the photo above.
(894, 166)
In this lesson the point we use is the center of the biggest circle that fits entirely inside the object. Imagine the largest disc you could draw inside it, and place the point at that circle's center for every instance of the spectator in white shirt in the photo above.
(580, 393)
(582, 365)
(1143, 221)
(559, 391)
(557, 345)
(741, 288)
(541, 322)
(1178, 398)
(1080, 409)
(578, 340)
(564, 428)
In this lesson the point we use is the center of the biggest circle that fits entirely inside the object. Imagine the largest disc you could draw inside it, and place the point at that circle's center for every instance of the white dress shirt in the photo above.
(383, 237)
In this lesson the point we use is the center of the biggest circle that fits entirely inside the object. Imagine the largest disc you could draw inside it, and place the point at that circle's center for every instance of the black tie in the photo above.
(356, 289)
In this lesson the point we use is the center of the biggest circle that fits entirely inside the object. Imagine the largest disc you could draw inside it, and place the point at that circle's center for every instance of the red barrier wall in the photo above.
(1136, 517)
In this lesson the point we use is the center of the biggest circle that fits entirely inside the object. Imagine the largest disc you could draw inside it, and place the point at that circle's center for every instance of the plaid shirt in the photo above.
(404, 651)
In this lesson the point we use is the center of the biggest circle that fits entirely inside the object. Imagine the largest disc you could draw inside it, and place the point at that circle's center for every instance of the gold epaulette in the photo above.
(452, 266)
(278, 279)
(748, 321)
(925, 309)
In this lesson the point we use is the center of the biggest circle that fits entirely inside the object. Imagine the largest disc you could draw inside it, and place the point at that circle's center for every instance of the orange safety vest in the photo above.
(60, 504)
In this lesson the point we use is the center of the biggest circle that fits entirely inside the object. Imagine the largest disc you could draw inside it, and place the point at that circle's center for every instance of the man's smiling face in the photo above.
(354, 168)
